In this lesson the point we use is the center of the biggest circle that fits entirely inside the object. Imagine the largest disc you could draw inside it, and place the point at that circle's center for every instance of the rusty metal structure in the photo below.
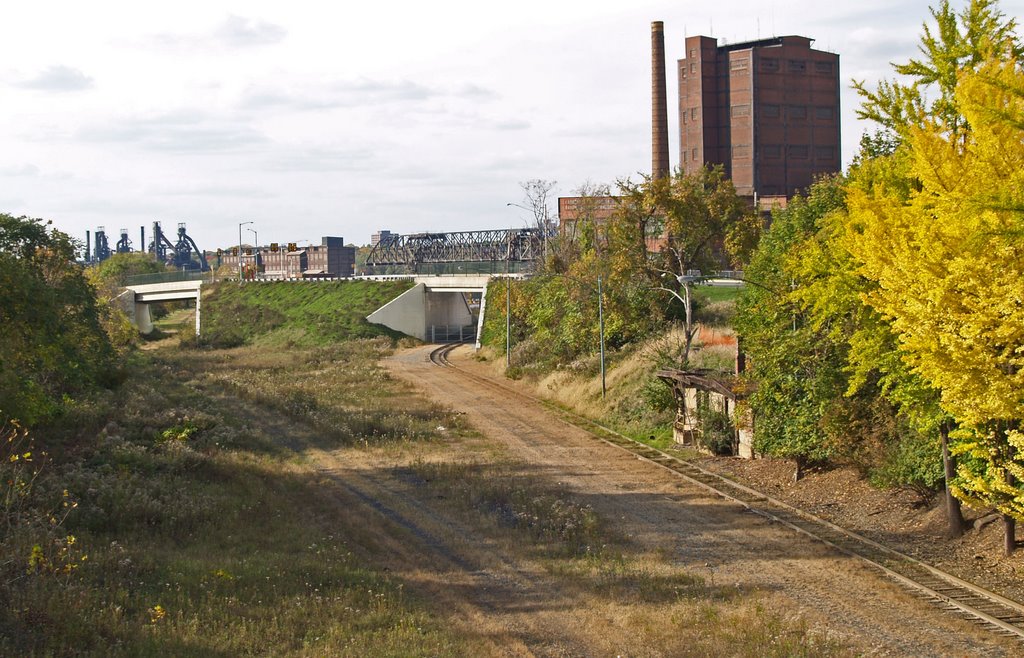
(659, 103)
(495, 246)
(160, 244)
(124, 245)
(101, 248)
(184, 249)
(178, 255)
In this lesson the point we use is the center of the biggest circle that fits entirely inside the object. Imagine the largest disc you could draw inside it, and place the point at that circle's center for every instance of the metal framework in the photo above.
(178, 255)
(513, 245)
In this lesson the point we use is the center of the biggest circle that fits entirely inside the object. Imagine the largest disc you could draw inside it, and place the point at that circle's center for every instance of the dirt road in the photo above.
(515, 606)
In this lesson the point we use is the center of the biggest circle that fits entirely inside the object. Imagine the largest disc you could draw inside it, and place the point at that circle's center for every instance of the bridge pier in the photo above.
(142, 319)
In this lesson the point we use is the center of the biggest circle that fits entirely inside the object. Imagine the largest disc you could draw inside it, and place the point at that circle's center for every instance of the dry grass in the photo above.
(200, 531)
(640, 601)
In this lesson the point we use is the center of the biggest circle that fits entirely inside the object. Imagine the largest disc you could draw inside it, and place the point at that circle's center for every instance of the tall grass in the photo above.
(198, 532)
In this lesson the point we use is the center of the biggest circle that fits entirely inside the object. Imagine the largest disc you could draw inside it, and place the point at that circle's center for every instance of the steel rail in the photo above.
(954, 593)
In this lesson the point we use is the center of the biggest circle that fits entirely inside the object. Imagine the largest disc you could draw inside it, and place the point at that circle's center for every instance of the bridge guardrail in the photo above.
(167, 277)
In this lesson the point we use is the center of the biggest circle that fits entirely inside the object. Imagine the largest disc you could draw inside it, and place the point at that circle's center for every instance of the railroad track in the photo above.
(989, 609)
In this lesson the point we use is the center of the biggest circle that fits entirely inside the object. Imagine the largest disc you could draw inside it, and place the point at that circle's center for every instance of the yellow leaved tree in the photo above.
(949, 267)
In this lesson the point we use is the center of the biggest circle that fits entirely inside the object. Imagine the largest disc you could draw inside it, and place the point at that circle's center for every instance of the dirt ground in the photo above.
(900, 519)
(516, 608)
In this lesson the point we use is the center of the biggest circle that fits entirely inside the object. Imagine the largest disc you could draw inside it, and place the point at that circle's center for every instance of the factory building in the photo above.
(768, 110)
(330, 259)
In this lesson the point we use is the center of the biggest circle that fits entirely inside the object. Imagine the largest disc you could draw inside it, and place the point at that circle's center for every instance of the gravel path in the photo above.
(704, 535)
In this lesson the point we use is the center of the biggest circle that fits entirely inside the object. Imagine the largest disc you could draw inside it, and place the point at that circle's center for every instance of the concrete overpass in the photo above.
(438, 308)
(136, 298)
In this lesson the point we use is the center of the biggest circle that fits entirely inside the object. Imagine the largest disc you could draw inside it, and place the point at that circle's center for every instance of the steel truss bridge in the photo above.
(503, 245)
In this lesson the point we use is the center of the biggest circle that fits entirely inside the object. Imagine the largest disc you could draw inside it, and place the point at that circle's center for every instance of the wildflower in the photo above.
(156, 613)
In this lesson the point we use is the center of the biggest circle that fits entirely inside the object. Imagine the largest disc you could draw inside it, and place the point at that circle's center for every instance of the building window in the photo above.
(739, 64)
(797, 66)
(824, 113)
(769, 65)
(685, 156)
(824, 153)
(770, 111)
(693, 155)
(796, 112)
(693, 113)
(823, 67)
(693, 68)
(772, 151)
(798, 152)
(693, 52)
(741, 110)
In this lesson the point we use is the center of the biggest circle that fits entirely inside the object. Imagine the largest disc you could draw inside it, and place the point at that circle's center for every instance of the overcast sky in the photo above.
(314, 119)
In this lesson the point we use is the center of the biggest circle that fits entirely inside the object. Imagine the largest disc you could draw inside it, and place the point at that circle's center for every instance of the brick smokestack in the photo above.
(659, 103)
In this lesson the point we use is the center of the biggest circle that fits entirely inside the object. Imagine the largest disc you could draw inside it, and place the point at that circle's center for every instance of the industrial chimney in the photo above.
(659, 103)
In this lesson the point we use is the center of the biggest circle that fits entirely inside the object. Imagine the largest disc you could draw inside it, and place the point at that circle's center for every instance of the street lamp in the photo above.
(240, 225)
(255, 251)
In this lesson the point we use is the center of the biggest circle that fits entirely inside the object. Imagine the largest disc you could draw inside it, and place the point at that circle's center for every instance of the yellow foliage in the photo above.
(949, 264)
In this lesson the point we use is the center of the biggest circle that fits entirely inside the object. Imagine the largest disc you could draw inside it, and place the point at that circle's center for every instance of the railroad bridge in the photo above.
(447, 308)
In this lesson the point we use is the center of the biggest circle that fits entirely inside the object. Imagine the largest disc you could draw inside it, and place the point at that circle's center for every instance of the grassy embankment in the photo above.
(636, 403)
(194, 524)
(291, 314)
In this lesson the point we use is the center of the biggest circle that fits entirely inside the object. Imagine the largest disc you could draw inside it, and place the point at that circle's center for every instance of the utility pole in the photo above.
(600, 319)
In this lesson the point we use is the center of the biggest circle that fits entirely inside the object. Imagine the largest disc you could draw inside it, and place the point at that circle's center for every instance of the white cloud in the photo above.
(57, 79)
(185, 131)
(19, 170)
(354, 93)
(239, 32)
(318, 159)
(235, 32)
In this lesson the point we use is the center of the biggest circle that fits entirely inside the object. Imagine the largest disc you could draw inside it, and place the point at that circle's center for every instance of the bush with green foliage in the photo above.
(52, 346)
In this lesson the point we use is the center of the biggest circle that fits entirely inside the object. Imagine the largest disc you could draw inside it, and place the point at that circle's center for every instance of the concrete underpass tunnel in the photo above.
(434, 313)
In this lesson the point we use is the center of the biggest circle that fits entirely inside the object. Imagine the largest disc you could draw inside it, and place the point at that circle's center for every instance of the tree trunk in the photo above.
(1009, 524)
(954, 515)
(798, 470)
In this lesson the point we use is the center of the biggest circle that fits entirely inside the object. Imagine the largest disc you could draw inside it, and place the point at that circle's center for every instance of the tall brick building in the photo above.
(767, 110)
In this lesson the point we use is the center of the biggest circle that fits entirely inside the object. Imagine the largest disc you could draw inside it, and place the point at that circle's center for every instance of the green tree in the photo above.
(797, 365)
(701, 225)
(954, 44)
(52, 345)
